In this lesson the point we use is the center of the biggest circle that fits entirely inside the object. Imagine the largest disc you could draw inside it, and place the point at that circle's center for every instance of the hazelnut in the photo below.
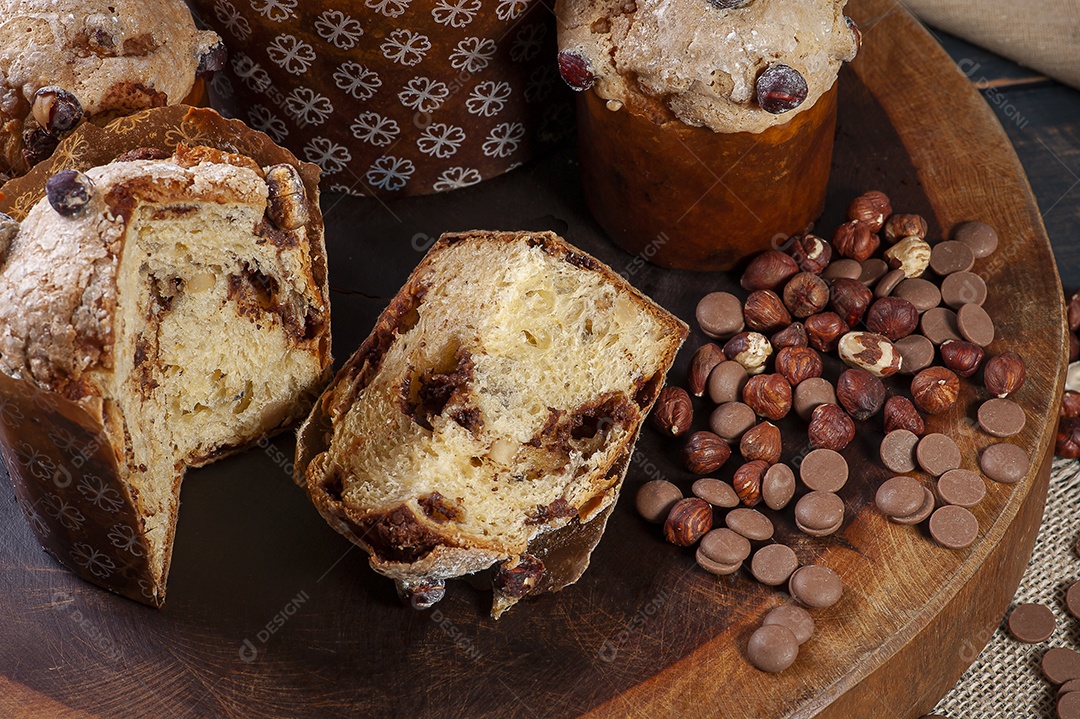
(1070, 404)
(518, 577)
(768, 271)
(892, 317)
(871, 352)
(963, 358)
(673, 412)
(69, 192)
(899, 226)
(1004, 374)
(750, 349)
(423, 594)
(575, 71)
(762, 441)
(747, 482)
(935, 389)
(823, 330)
(798, 363)
(794, 335)
(855, 240)
(286, 202)
(705, 452)
(860, 393)
(806, 294)
(911, 255)
(900, 413)
(764, 312)
(871, 208)
(811, 253)
(830, 428)
(702, 363)
(56, 110)
(769, 395)
(850, 300)
(1068, 438)
(688, 521)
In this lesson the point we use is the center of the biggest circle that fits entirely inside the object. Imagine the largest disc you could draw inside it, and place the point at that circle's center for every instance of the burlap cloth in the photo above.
(1005, 681)
(1044, 34)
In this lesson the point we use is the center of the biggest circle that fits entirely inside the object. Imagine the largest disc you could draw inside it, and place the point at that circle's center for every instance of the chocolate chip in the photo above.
(1070, 686)
(1031, 623)
(888, 283)
(655, 499)
(953, 527)
(780, 88)
(824, 470)
(773, 565)
(720, 315)
(963, 288)
(726, 382)
(924, 294)
(778, 486)
(843, 269)
(939, 325)
(819, 514)
(815, 586)
(795, 618)
(1072, 599)
(1068, 705)
(810, 393)
(951, 256)
(69, 192)
(716, 492)
(897, 450)
(921, 513)
(961, 487)
(729, 421)
(750, 523)
(979, 236)
(873, 270)
(1001, 417)
(723, 550)
(975, 324)
(1005, 463)
(772, 648)
(916, 353)
(899, 497)
(937, 454)
(1060, 665)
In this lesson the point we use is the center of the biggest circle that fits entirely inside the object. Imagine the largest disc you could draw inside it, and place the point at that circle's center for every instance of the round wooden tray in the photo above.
(272, 614)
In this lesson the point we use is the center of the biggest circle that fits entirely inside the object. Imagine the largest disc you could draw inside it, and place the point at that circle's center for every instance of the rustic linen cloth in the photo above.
(1005, 680)
(1044, 35)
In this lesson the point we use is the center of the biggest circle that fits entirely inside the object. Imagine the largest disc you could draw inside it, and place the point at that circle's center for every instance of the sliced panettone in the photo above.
(489, 418)
(155, 314)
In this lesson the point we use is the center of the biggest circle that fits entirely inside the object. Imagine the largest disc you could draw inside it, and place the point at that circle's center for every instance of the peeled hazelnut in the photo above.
(900, 413)
(806, 294)
(830, 428)
(963, 358)
(688, 521)
(911, 255)
(899, 226)
(892, 317)
(871, 208)
(702, 363)
(1068, 438)
(794, 335)
(673, 412)
(855, 240)
(1004, 374)
(850, 300)
(575, 71)
(1070, 404)
(811, 253)
(798, 363)
(704, 452)
(768, 271)
(935, 389)
(769, 395)
(286, 202)
(56, 110)
(69, 191)
(747, 482)
(518, 577)
(871, 352)
(860, 393)
(750, 349)
(762, 441)
(824, 330)
(764, 312)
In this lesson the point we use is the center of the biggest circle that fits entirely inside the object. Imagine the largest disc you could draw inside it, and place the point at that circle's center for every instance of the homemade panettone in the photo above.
(155, 314)
(61, 61)
(489, 418)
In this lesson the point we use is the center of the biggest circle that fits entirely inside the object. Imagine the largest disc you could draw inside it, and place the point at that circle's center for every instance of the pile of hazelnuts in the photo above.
(1068, 434)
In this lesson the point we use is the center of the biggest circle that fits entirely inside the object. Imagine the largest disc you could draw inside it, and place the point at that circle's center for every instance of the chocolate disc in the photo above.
(888, 283)
(898, 451)
(953, 527)
(819, 510)
(720, 315)
(778, 486)
(1060, 665)
(975, 324)
(939, 325)
(924, 294)
(979, 236)
(1001, 417)
(843, 269)
(1005, 463)
(655, 499)
(716, 492)
(951, 256)
(1072, 599)
(916, 353)
(963, 288)
(729, 421)
(795, 618)
(750, 523)
(815, 586)
(961, 487)
(819, 532)
(873, 270)
(899, 497)
(937, 454)
(726, 382)
(923, 512)
(824, 470)
(810, 393)
(1068, 705)
(1031, 623)
(724, 546)
(713, 567)
(1070, 686)
(773, 565)
(772, 648)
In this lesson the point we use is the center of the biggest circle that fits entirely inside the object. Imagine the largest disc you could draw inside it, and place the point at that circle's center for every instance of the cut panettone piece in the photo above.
(168, 311)
(489, 418)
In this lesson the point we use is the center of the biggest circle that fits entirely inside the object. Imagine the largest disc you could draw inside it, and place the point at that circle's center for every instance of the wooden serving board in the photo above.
(272, 614)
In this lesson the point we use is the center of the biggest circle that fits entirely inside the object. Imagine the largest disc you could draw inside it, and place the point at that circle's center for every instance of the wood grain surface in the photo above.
(272, 614)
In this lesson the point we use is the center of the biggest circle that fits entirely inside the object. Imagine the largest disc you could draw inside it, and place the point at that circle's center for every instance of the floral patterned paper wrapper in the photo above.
(394, 97)
(63, 465)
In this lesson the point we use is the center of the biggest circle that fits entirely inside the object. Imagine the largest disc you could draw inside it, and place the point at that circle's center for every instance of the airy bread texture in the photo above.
(497, 400)
(172, 308)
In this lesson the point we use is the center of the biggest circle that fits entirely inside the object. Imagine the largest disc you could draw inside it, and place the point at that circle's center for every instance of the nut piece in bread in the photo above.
(488, 420)
(153, 317)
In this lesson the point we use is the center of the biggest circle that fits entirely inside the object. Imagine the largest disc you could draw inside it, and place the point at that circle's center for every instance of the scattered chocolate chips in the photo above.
(954, 527)
(961, 487)
(772, 648)
(898, 451)
(815, 586)
(773, 565)
(979, 236)
(1031, 623)
(1001, 417)
(655, 499)
(1005, 462)
(780, 88)
(69, 191)
(937, 454)
(720, 315)
(824, 470)
(795, 618)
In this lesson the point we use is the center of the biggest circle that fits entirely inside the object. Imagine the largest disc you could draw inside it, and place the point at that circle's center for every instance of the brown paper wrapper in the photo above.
(395, 97)
(65, 469)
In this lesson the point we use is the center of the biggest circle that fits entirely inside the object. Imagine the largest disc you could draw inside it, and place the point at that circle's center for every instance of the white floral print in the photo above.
(511, 9)
(222, 85)
(251, 73)
(528, 42)
(308, 107)
(424, 94)
(291, 54)
(327, 154)
(64, 440)
(67, 514)
(95, 491)
(374, 128)
(440, 140)
(124, 537)
(357, 80)
(455, 13)
(405, 47)
(97, 563)
(263, 120)
(473, 54)
(503, 139)
(390, 173)
(338, 29)
(455, 178)
(541, 83)
(488, 98)
(10, 414)
(275, 10)
(38, 464)
(389, 8)
(234, 22)
(37, 522)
